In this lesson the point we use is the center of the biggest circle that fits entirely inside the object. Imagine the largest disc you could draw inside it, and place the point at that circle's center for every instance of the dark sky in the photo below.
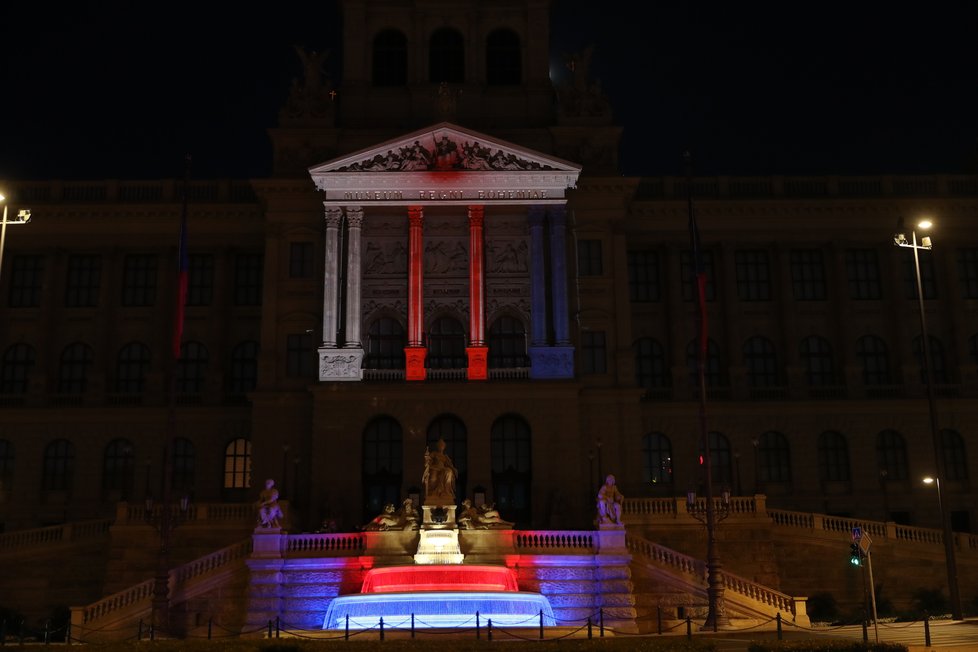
(122, 91)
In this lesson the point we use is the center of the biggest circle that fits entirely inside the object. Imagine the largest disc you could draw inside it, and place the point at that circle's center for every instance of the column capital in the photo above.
(354, 216)
(535, 214)
(333, 216)
(477, 215)
(415, 215)
(557, 213)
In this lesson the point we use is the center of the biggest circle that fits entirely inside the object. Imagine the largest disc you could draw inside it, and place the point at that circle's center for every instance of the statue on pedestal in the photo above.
(610, 500)
(439, 475)
(269, 511)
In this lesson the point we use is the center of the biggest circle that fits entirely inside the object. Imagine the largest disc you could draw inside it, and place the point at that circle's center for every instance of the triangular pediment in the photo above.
(449, 163)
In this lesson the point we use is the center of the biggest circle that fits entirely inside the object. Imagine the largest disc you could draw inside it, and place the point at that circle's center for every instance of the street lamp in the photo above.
(900, 240)
(23, 217)
(710, 513)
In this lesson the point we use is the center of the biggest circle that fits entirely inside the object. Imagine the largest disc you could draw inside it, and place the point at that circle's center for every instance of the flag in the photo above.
(696, 262)
(183, 272)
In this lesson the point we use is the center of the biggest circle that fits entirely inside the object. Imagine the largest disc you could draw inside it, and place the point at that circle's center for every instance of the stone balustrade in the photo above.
(30, 540)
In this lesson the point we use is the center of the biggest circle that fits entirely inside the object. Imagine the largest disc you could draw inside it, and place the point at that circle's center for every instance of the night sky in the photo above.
(750, 88)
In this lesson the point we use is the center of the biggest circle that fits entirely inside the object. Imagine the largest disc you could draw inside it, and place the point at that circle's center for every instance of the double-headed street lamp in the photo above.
(900, 240)
(710, 512)
(23, 217)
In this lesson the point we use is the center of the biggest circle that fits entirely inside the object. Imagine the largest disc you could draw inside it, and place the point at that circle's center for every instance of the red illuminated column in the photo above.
(477, 350)
(414, 353)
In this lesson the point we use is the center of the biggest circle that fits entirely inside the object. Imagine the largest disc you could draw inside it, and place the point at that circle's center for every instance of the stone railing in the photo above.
(135, 513)
(551, 542)
(675, 507)
(324, 545)
(30, 540)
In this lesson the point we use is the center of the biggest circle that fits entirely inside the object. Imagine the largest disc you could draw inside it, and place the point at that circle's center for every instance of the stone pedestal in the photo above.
(340, 364)
(414, 357)
(551, 362)
(478, 368)
(439, 536)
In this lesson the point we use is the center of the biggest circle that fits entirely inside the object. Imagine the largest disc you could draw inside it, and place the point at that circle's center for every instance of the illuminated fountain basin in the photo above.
(439, 596)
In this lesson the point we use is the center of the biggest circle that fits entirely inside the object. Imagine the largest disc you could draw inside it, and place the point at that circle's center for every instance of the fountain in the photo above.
(439, 590)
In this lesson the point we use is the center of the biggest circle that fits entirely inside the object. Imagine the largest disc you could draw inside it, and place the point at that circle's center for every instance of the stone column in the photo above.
(345, 363)
(333, 217)
(354, 222)
(477, 351)
(415, 352)
(552, 361)
(558, 274)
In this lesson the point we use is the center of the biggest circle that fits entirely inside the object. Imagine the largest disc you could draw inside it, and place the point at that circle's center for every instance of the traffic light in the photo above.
(855, 555)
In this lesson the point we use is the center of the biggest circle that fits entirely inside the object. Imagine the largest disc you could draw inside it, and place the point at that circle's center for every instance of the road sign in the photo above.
(857, 534)
(865, 541)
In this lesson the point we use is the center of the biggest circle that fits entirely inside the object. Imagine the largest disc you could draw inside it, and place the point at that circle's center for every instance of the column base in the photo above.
(478, 362)
(551, 362)
(414, 357)
(340, 364)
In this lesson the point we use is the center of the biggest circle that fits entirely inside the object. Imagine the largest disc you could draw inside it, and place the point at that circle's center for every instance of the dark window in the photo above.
(688, 276)
(507, 343)
(76, 362)
(244, 367)
(446, 57)
(385, 344)
(891, 453)
(863, 272)
(446, 344)
(589, 258)
(184, 466)
(247, 279)
(928, 280)
(382, 465)
(191, 368)
(139, 280)
(300, 260)
(720, 460)
(594, 354)
(816, 355)
(510, 448)
(753, 275)
(651, 370)
(955, 455)
(503, 58)
(968, 273)
(871, 353)
(118, 468)
(390, 58)
(237, 464)
(26, 273)
(938, 368)
(82, 285)
(807, 275)
(773, 458)
(301, 358)
(6, 465)
(833, 457)
(657, 455)
(713, 370)
(452, 430)
(761, 361)
(18, 360)
(131, 368)
(643, 276)
(59, 466)
(200, 280)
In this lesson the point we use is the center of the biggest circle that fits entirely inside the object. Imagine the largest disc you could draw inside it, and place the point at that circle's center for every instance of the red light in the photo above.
(701, 460)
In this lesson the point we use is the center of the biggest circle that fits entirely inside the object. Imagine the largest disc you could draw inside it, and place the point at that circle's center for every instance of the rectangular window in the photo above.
(928, 283)
(643, 276)
(247, 279)
(688, 282)
(139, 280)
(26, 273)
(589, 258)
(593, 352)
(968, 272)
(200, 279)
(300, 260)
(301, 360)
(84, 276)
(863, 271)
(753, 275)
(807, 275)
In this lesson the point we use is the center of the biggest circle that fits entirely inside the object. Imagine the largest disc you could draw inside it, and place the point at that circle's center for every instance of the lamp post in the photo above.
(165, 519)
(711, 513)
(23, 217)
(900, 240)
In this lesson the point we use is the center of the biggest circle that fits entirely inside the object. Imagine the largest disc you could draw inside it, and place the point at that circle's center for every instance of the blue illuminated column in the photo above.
(556, 361)
(558, 276)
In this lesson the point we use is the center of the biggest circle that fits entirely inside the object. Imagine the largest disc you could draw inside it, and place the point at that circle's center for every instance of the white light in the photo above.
(925, 224)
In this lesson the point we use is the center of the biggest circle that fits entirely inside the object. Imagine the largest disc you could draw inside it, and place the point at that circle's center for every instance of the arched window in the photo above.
(446, 57)
(6, 465)
(131, 368)
(237, 464)
(76, 362)
(18, 360)
(382, 465)
(891, 453)
(833, 457)
(446, 344)
(761, 362)
(503, 58)
(191, 368)
(871, 352)
(390, 58)
(937, 364)
(59, 466)
(955, 455)
(507, 344)
(651, 370)
(118, 468)
(716, 375)
(452, 430)
(385, 344)
(184, 466)
(657, 456)
(773, 458)
(510, 450)
(244, 368)
(816, 355)
(721, 461)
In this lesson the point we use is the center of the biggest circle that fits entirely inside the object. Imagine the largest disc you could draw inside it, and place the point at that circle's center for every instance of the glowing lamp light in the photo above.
(924, 224)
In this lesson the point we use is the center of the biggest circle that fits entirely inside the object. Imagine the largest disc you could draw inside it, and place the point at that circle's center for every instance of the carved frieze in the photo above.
(445, 153)
(385, 257)
(445, 256)
(507, 256)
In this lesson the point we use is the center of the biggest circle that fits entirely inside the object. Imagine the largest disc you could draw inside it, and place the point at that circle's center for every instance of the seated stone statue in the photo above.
(610, 500)
(407, 516)
(384, 521)
(485, 517)
(269, 511)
